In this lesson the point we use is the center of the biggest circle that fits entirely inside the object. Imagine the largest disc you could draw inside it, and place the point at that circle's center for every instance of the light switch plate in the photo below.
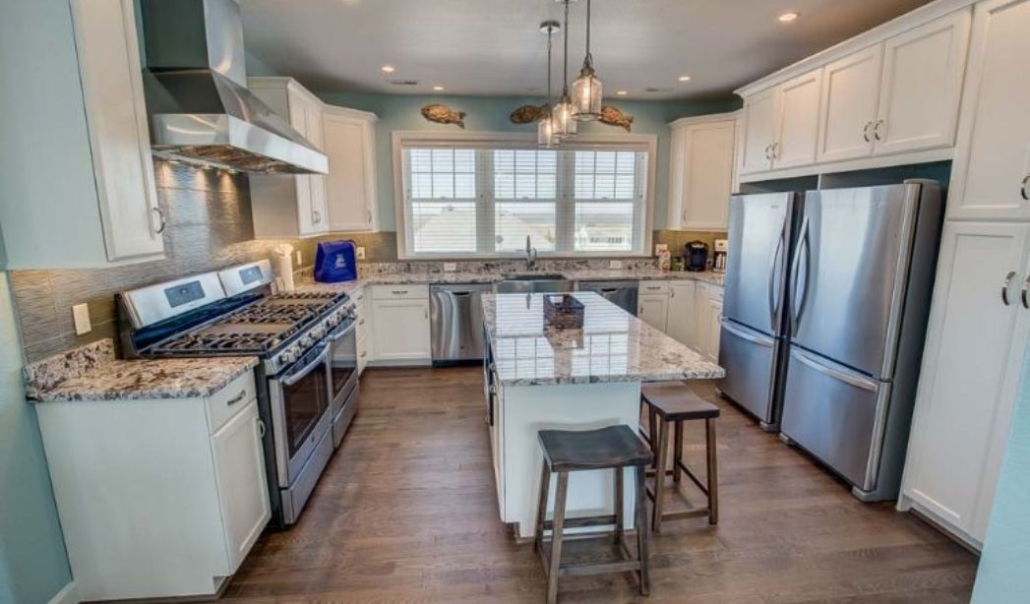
(80, 314)
(450, 267)
(361, 252)
(300, 258)
(615, 264)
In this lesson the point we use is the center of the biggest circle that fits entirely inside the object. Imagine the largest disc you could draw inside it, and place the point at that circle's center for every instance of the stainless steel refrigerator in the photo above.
(754, 342)
(859, 294)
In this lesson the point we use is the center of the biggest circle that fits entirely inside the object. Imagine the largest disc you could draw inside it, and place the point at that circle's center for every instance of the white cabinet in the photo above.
(977, 337)
(653, 310)
(991, 172)
(287, 206)
(701, 172)
(780, 125)
(362, 309)
(402, 331)
(708, 302)
(898, 96)
(349, 142)
(157, 498)
(242, 487)
(682, 314)
(78, 183)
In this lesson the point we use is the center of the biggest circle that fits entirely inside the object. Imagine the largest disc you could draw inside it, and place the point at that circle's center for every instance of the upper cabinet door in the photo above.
(798, 121)
(851, 89)
(112, 85)
(351, 191)
(991, 173)
(761, 112)
(317, 184)
(708, 175)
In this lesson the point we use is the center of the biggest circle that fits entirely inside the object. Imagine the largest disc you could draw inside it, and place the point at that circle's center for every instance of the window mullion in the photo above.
(485, 210)
(565, 212)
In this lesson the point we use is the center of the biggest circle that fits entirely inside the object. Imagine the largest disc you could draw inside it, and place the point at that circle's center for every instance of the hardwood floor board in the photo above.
(406, 513)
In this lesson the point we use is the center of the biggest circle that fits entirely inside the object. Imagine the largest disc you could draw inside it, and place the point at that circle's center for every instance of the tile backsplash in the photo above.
(209, 227)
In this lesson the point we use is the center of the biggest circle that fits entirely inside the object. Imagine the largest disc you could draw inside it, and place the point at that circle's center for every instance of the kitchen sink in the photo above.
(530, 283)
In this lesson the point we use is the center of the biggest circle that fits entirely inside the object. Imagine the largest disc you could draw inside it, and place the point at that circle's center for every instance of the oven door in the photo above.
(300, 411)
(343, 357)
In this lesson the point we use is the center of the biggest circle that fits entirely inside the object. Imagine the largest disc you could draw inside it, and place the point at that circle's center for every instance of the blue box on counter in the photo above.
(336, 261)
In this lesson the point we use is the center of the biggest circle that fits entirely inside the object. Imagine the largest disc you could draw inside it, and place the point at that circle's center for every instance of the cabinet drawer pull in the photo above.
(1024, 191)
(361, 322)
(368, 214)
(768, 151)
(399, 292)
(1023, 292)
(1005, 288)
(239, 397)
(876, 129)
(865, 132)
(261, 428)
(364, 353)
(161, 221)
(316, 216)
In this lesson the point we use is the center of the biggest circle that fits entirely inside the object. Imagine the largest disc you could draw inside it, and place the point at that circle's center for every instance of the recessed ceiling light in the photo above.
(788, 17)
(684, 78)
(387, 69)
(622, 92)
(438, 88)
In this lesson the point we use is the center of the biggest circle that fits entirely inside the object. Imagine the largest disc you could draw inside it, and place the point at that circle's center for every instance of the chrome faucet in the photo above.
(530, 253)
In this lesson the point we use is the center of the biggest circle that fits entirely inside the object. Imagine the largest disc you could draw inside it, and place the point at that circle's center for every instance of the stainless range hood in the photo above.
(196, 91)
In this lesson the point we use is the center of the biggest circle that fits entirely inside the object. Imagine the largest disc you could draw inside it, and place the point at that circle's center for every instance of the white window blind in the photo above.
(483, 200)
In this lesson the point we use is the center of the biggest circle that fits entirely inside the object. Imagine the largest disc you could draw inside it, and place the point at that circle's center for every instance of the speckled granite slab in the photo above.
(613, 346)
(91, 373)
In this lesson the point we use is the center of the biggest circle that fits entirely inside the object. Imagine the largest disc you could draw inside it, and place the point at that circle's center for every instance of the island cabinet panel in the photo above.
(653, 310)
(681, 324)
(155, 500)
(528, 409)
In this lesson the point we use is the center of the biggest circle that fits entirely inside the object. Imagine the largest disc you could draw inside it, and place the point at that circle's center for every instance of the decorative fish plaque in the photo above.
(527, 114)
(442, 114)
(612, 116)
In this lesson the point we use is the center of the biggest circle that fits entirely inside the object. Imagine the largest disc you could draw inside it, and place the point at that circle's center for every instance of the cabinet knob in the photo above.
(316, 216)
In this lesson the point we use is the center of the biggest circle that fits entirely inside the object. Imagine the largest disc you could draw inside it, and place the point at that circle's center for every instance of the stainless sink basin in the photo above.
(531, 283)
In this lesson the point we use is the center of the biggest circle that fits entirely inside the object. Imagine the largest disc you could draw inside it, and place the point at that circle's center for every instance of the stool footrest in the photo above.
(581, 522)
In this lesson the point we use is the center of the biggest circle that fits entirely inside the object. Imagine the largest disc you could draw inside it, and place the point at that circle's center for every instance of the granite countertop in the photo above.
(92, 373)
(352, 287)
(613, 346)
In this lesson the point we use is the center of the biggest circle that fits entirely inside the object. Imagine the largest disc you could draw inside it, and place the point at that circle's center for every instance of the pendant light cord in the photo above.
(589, 58)
(550, 34)
(565, 72)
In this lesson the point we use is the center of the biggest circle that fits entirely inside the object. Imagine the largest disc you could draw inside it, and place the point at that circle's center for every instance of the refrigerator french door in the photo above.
(859, 295)
(753, 343)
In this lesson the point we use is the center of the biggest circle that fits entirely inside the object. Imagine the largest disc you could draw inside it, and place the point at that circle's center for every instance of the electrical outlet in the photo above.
(615, 264)
(80, 314)
(300, 258)
(361, 252)
(450, 267)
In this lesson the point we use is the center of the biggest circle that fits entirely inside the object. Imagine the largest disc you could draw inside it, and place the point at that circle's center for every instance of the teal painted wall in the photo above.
(1004, 575)
(490, 114)
(33, 563)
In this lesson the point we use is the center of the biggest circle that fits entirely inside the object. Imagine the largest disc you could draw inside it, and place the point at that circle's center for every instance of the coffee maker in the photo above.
(695, 256)
(719, 258)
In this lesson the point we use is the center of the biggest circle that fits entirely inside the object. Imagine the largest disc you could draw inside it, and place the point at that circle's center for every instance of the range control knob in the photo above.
(290, 355)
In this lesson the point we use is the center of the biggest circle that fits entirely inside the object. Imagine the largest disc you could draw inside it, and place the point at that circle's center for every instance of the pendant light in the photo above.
(545, 136)
(564, 122)
(586, 90)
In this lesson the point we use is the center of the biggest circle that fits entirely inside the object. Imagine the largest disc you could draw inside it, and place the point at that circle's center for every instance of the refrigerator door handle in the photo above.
(774, 309)
(867, 385)
(795, 307)
(746, 336)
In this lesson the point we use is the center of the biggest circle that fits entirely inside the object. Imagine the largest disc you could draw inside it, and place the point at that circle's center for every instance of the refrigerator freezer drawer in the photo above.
(835, 414)
(750, 360)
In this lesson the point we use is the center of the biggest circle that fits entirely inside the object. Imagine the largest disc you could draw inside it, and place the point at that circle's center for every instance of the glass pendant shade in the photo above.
(564, 122)
(545, 132)
(586, 96)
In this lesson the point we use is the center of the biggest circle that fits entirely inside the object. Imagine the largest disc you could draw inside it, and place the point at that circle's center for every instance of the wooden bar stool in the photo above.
(668, 406)
(615, 448)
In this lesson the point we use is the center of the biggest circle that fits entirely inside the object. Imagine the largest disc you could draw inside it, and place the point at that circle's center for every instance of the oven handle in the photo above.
(300, 374)
(343, 331)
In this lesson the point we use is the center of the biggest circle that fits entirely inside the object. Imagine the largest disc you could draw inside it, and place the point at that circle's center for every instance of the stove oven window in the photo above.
(305, 402)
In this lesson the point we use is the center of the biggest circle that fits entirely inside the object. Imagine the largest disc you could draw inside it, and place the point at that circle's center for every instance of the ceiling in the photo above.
(494, 47)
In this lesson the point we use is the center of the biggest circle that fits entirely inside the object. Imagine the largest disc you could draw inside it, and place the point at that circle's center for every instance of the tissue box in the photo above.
(563, 311)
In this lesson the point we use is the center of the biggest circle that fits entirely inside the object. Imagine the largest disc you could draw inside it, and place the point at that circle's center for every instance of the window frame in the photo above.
(647, 143)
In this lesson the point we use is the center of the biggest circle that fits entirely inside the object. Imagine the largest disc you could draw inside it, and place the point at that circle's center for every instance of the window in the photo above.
(469, 197)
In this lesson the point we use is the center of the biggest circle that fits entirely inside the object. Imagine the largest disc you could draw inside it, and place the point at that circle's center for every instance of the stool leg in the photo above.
(677, 453)
(652, 432)
(541, 510)
(643, 548)
(619, 507)
(713, 472)
(659, 477)
(556, 537)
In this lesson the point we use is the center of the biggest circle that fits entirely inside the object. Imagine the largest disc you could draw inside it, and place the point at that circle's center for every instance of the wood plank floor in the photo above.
(406, 513)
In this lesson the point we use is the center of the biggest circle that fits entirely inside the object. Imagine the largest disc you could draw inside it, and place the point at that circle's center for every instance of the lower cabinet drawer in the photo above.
(400, 292)
(227, 402)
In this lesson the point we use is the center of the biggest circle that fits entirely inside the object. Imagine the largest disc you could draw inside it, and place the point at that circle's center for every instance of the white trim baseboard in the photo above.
(69, 594)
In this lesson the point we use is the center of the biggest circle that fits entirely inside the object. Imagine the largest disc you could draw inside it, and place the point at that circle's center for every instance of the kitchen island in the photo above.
(538, 378)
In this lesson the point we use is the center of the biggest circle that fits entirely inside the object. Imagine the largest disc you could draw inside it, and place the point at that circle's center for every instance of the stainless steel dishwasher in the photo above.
(456, 313)
(620, 293)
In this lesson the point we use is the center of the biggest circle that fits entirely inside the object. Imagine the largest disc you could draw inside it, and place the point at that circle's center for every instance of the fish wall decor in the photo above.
(442, 114)
(613, 116)
(527, 114)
